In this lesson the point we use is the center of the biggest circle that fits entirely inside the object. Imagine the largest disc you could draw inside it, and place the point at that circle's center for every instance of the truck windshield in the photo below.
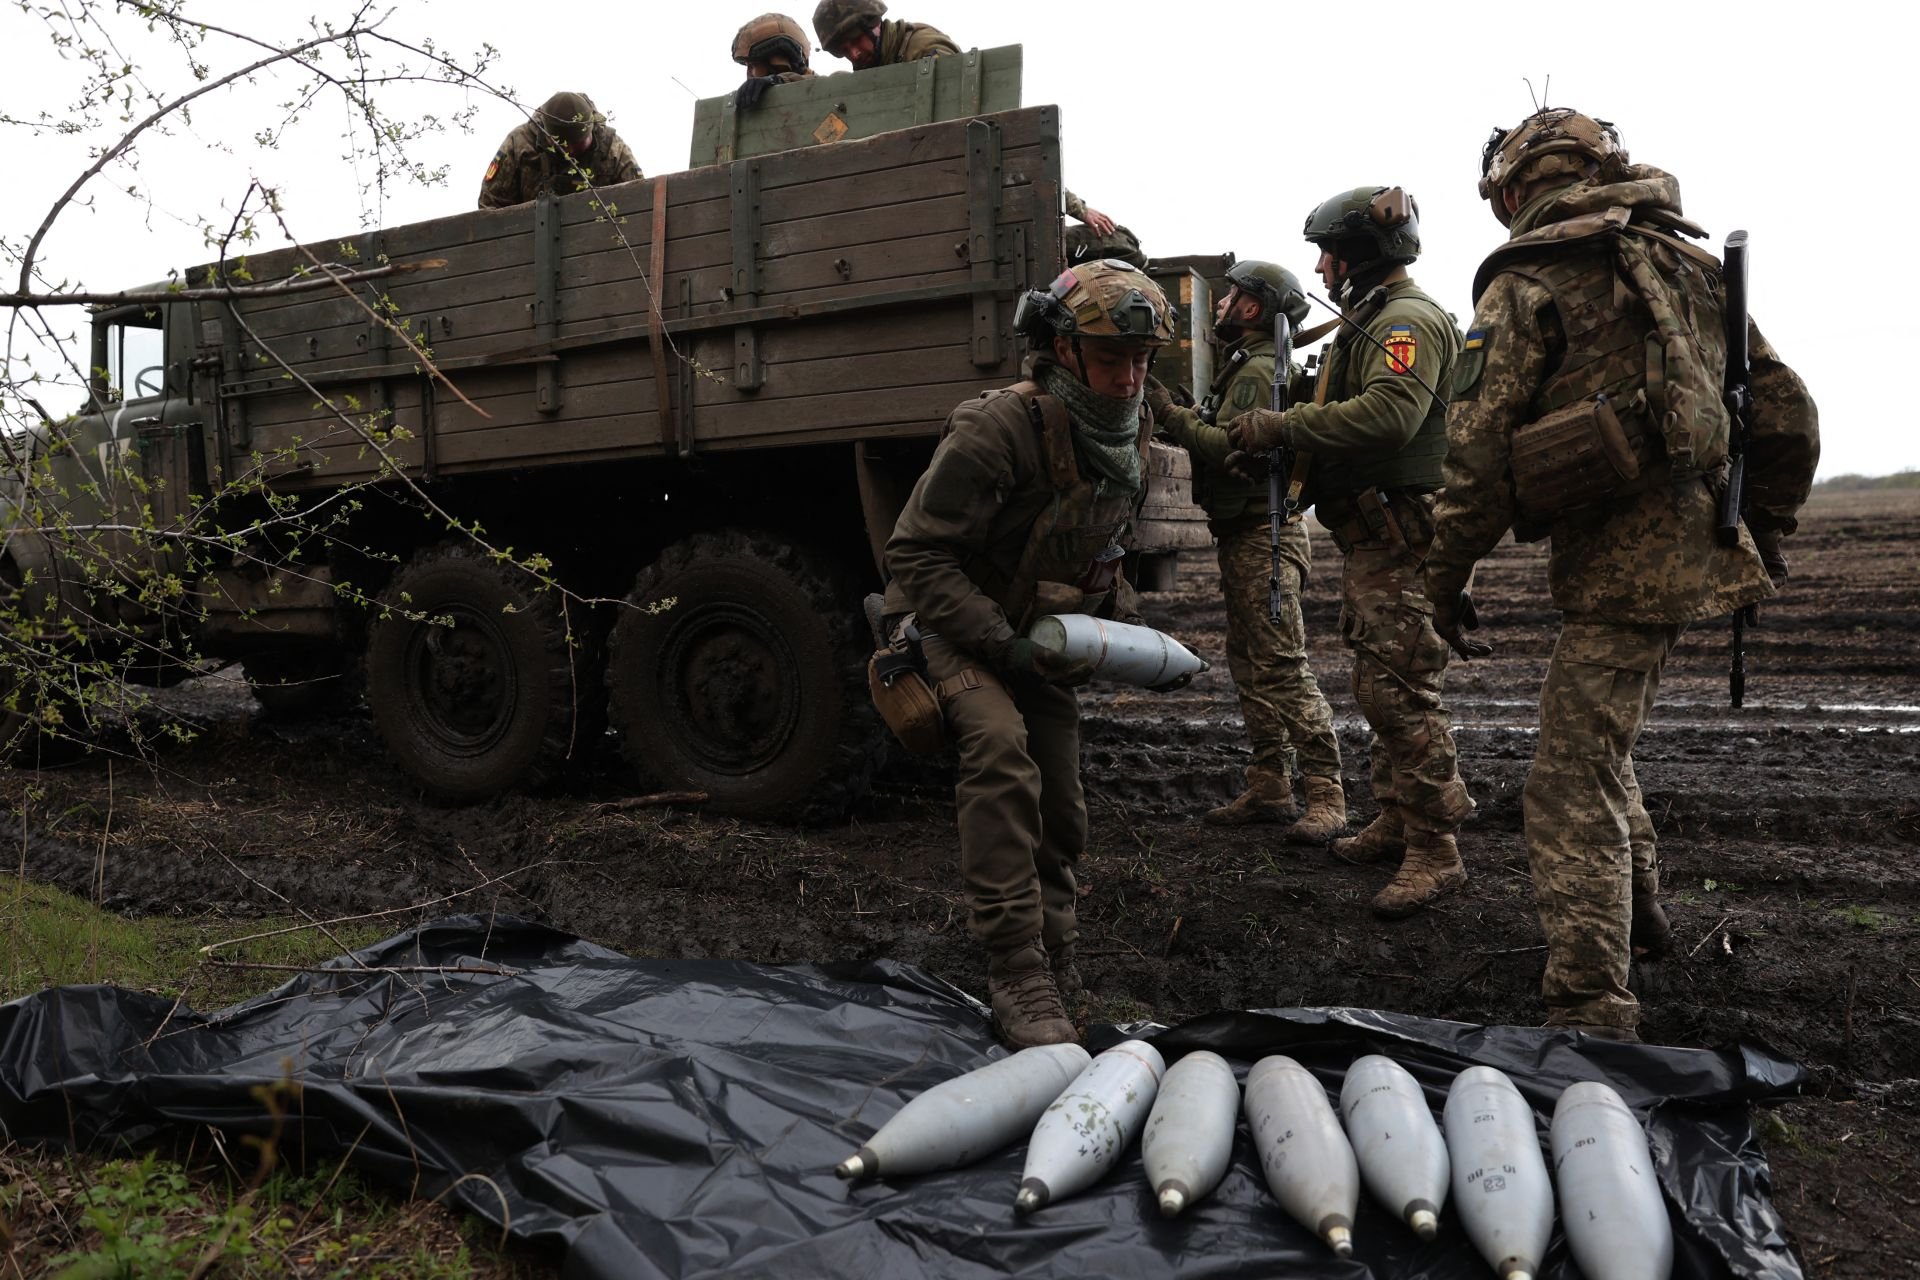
(135, 356)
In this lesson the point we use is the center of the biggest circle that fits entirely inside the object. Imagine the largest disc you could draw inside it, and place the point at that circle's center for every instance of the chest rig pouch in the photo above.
(897, 682)
(1072, 556)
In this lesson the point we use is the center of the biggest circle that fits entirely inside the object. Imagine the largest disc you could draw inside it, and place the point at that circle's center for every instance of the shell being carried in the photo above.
(1118, 650)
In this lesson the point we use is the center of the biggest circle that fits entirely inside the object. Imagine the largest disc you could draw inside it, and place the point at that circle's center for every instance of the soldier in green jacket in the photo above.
(860, 32)
(567, 146)
(1286, 715)
(1598, 315)
(774, 50)
(1020, 514)
(1375, 429)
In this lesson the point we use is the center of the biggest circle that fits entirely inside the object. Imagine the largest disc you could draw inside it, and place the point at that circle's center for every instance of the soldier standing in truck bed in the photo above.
(1376, 431)
(1019, 515)
(1286, 715)
(1598, 318)
(567, 146)
(774, 50)
(860, 32)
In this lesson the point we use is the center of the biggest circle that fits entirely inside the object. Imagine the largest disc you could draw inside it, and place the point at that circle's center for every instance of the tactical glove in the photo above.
(1260, 430)
(1772, 555)
(748, 95)
(1251, 467)
(1159, 400)
(1021, 656)
(1452, 617)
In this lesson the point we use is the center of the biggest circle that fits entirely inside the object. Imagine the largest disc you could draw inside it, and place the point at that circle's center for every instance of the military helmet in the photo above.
(772, 38)
(1547, 144)
(1275, 288)
(570, 117)
(835, 20)
(1368, 223)
(1105, 298)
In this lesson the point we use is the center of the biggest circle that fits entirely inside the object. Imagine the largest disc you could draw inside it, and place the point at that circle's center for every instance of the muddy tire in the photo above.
(487, 704)
(738, 669)
(302, 684)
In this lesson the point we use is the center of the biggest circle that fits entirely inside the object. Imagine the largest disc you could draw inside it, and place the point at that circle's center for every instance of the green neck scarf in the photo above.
(1106, 432)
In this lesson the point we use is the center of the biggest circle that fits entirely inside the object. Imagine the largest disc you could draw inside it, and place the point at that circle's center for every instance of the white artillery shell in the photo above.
(1309, 1166)
(1118, 650)
(1089, 1127)
(1189, 1136)
(968, 1117)
(1500, 1187)
(1610, 1202)
(1401, 1153)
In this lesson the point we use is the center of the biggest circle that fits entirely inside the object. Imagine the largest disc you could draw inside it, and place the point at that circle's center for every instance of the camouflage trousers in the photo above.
(1589, 840)
(1399, 662)
(1022, 812)
(1286, 714)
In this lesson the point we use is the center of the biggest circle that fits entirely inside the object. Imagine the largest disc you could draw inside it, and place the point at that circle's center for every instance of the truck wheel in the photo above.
(471, 677)
(737, 668)
(300, 684)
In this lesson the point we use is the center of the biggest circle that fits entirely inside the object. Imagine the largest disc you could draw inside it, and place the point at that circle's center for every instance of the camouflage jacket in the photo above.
(961, 544)
(528, 163)
(1224, 496)
(1377, 414)
(1649, 557)
(912, 41)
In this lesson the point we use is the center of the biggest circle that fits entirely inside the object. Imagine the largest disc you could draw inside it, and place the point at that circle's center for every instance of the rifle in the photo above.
(1739, 401)
(1281, 496)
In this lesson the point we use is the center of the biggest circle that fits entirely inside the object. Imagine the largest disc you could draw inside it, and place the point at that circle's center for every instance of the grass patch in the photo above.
(53, 938)
(1863, 917)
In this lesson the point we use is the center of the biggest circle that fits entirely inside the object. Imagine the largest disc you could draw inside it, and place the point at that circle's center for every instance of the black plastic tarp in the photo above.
(682, 1118)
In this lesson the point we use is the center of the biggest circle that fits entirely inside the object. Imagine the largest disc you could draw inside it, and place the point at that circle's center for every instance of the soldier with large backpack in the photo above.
(1588, 410)
(1020, 515)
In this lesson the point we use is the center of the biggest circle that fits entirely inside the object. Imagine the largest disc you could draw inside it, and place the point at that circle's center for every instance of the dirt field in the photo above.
(1789, 832)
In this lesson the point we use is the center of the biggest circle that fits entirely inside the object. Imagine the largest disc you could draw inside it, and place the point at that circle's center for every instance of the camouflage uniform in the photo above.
(530, 161)
(912, 41)
(1628, 574)
(1287, 716)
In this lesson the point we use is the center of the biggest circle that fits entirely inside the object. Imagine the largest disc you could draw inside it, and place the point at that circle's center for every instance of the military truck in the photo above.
(699, 400)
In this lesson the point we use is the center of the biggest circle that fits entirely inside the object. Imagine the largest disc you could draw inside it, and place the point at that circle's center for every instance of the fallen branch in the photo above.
(1709, 938)
(653, 800)
(211, 947)
(232, 293)
(354, 968)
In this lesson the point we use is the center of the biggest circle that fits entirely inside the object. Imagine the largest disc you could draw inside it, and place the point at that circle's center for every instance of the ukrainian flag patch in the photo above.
(1402, 348)
(1476, 339)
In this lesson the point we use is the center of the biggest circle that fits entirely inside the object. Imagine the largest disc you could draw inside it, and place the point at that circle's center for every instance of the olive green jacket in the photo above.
(1376, 405)
(1224, 496)
(912, 41)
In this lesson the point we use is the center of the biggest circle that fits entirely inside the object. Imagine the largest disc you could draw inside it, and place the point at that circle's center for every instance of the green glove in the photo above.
(1021, 656)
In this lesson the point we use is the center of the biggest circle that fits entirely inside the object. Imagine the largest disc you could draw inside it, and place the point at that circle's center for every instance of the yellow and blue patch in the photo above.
(1476, 339)
(1402, 348)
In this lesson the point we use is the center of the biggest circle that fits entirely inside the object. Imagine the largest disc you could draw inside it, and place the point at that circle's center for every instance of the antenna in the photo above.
(1531, 94)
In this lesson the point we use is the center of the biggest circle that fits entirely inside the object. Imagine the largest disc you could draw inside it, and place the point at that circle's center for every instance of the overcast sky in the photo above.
(1205, 126)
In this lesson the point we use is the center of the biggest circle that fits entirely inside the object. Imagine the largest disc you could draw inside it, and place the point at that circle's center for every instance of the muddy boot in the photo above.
(1066, 975)
(1268, 798)
(1026, 1003)
(1432, 869)
(1652, 934)
(1385, 837)
(1326, 815)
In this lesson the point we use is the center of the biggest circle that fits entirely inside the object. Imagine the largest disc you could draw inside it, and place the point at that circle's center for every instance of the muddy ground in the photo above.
(1789, 832)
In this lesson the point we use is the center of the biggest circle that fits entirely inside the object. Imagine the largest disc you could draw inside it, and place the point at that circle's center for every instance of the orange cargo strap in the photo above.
(656, 327)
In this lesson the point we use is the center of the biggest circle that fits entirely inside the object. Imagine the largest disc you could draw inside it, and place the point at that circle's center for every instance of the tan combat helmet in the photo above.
(835, 20)
(570, 117)
(1106, 298)
(773, 39)
(1553, 143)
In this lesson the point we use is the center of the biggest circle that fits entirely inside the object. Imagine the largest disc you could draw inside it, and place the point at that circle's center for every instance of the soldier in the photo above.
(774, 50)
(567, 146)
(1598, 317)
(859, 31)
(1375, 431)
(1287, 717)
(1019, 514)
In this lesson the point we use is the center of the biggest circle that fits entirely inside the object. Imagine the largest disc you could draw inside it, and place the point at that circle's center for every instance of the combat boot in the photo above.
(1432, 869)
(1026, 1003)
(1268, 798)
(1066, 974)
(1326, 815)
(1385, 837)
(1652, 933)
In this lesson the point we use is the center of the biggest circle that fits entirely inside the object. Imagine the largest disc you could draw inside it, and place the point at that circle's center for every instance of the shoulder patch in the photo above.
(1472, 363)
(1244, 393)
(493, 170)
(1403, 349)
(1476, 339)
